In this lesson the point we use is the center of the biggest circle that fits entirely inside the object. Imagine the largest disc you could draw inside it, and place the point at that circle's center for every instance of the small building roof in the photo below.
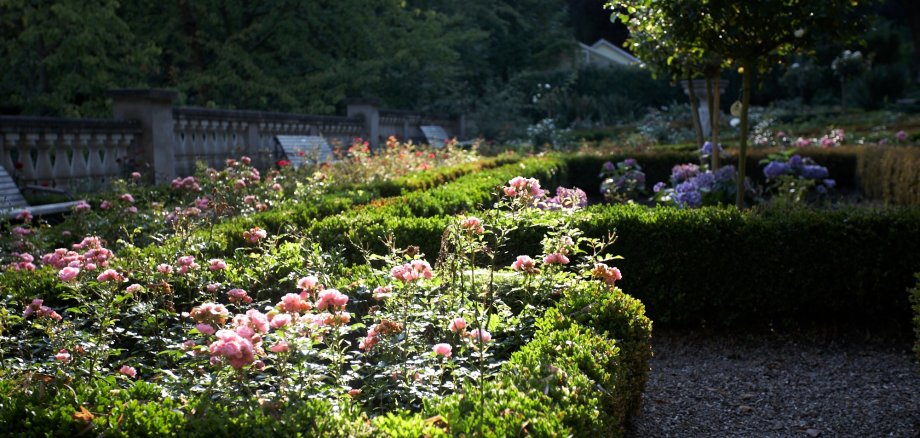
(605, 53)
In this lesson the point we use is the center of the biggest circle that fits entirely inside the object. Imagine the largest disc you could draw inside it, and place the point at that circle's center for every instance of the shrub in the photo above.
(891, 174)
(724, 266)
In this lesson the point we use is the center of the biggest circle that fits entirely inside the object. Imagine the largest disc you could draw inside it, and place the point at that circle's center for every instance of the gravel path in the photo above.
(780, 385)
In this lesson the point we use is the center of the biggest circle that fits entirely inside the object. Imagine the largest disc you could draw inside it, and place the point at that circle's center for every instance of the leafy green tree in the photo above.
(60, 57)
(751, 35)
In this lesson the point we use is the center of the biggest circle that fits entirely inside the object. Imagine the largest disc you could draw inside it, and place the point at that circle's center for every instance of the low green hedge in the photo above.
(721, 265)
(583, 374)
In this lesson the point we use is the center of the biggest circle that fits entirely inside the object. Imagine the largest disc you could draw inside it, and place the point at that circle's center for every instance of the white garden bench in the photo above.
(300, 149)
(12, 202)
(437, 137)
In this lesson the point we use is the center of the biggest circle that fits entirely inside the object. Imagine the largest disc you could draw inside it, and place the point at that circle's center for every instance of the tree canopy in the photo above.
(59, 57)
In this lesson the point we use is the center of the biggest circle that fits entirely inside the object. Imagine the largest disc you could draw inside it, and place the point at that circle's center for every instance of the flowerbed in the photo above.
(290, 337)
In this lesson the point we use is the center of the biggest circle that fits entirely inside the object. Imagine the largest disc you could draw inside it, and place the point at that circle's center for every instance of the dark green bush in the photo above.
(721, 265)
(725, 266)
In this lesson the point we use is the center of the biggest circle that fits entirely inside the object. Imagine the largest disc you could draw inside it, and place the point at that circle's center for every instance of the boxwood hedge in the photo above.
(721, 265)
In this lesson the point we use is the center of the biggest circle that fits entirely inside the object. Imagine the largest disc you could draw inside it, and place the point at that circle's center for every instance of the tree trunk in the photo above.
(742, 150)
(714, 96)
(695, 111)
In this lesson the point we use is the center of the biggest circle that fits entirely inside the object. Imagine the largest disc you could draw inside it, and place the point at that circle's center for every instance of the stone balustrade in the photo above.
(67, 153)
(150, 135)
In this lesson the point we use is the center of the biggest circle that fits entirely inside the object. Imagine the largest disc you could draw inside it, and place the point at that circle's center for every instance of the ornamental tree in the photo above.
(752, 35)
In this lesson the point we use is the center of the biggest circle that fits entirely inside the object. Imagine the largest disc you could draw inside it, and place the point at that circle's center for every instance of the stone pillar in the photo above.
(370, 110)
(156, 144)
(699, 87)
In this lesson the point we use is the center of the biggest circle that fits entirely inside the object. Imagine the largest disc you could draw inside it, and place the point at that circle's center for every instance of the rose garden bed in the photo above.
(429, 304)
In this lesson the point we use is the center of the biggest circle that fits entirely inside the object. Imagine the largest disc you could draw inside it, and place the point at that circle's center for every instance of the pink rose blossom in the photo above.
(210, 313)
(212, 287)
(62, 356)
(280, 320)
(128, 371)
(606, 274)
(559, 259)
(236, 349)
(308, 283)
(442, 350)
(134, 288)
(293, 303)
(457, 325)
(525, 264)
(24, 215)
(164, 268)
(255, 234)
(901, 135)
(82, 206)
(279, 347)
(105, 205)
(383, 292)
(238, 296)
(205, 329)
(110, 275)
(68, 274)
(127, 198)
(131, 210)
(253, 319)
(480, 335)
(472, 225)
(217, 264)
(135, 175)
(331, 297)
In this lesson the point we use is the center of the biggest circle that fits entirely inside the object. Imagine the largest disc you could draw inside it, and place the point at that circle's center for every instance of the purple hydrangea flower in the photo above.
(795, 161)
(775, 169)
(658, 187)
(705, 181)
(630, 162)
(830, 183)
(725, 174)
(814, 171)
(609, 167)
(683, 172)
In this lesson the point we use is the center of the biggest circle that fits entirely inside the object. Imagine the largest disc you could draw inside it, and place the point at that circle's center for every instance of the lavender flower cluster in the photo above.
(799, 167)
(692, 188)
(565, 199)
(622, 181)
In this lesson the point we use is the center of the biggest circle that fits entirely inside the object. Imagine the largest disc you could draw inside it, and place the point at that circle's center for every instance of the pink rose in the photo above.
(68, 273)
(442, 349)
(128, 371)
(456, 325)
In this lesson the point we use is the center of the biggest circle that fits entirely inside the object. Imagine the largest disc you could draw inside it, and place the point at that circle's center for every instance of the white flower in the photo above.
(799, 33)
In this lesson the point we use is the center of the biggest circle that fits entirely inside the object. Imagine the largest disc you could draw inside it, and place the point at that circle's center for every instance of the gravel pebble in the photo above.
(769, 384)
